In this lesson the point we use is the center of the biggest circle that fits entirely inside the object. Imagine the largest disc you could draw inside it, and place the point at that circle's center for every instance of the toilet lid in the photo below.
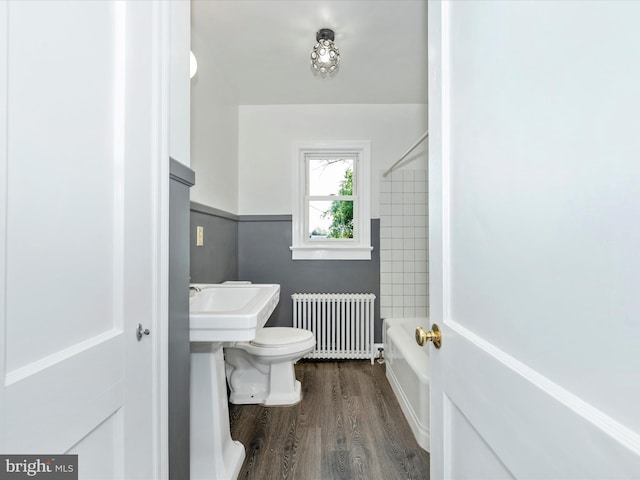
(280, 336)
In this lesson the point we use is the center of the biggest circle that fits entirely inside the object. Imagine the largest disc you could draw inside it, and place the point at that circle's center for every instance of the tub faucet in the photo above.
(194, 288)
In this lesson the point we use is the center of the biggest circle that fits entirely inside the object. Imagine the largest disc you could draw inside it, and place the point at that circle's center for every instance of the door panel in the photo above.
(82, 221)
(469, 455)
(52, 145)
(534, 182)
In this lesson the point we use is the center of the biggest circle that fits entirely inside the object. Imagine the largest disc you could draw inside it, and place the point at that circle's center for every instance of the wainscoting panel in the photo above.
(217, 260)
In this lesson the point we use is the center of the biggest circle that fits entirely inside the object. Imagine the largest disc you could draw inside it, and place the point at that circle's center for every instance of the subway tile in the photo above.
(397, 266)
(398, 289)
(386, 244)
(397, 312)
(396, 198)
(408, 301)
(419, 220)
(408, 232)
(420, 232)
(409, 209)
(385, 312)
(421, 209)
(409, 255)
(420, 175)
(385, 210)
(409, 244)
(385, 232)
(396, 278)
(385, 198)
(420, 255)
(421, 312)
(386, 278)
(409, 266)
(397, 186)
(408, 197)
(385, 266)
(421, 278)
(397, 221)
(397, 209)
(408, 312)
(421, 289)
(408, 186)
(385, 186)
(408, 278)
(420, 267)
(421, 244)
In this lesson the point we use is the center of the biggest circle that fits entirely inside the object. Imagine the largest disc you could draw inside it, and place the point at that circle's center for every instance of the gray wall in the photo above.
(217, 260)
(256, 248)
(179, 352)
(264, 257)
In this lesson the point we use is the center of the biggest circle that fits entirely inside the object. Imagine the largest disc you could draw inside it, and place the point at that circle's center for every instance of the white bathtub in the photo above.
(408, 372)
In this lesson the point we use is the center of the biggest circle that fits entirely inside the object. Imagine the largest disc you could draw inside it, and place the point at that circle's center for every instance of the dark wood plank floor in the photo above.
(347, 426)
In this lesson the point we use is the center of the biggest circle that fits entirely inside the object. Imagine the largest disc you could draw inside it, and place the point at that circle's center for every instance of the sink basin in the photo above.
(223, 312)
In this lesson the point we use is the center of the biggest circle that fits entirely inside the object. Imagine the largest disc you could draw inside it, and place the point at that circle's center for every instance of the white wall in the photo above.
(214, 134)
(179, 87)
(267, 132)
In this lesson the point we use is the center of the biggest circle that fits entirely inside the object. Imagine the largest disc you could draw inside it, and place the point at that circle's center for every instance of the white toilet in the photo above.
(261, 371)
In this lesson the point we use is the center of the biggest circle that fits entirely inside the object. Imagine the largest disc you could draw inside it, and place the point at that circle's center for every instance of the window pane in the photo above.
(331, 219)
(330, 176)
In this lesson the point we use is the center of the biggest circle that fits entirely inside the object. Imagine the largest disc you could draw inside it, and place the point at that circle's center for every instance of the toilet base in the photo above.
(262, 371)
(253, 381)
(280, 399)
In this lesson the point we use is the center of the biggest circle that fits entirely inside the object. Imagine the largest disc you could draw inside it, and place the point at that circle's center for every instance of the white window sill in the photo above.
(313, 252)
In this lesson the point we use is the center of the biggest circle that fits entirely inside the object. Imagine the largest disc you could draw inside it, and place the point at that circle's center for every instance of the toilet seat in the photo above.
(273, 337)
(281, 342)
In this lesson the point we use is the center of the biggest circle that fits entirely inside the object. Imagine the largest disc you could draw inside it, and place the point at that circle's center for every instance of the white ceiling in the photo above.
(261, 49)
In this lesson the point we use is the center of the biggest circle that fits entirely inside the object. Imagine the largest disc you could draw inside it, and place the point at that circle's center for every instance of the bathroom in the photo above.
(246, 117)
(533, 200)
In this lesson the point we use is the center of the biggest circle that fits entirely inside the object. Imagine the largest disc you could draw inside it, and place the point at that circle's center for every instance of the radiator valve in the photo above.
(380, 357)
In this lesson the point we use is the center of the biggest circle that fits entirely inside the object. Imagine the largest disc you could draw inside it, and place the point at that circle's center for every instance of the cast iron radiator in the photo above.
(341, 322)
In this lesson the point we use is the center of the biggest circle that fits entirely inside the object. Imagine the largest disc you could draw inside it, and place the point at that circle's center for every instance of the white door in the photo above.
(535, 239)
(84, 177)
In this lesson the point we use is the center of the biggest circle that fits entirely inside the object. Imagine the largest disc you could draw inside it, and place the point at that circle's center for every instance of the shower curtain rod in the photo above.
(420, 140)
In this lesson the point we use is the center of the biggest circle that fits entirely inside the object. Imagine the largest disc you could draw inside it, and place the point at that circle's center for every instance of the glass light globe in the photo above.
(325, 56)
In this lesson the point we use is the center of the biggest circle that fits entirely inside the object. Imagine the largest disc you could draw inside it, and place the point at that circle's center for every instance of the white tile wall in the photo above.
(404, 268)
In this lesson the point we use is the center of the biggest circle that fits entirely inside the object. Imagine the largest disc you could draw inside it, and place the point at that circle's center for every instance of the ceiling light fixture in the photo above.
(325, 56)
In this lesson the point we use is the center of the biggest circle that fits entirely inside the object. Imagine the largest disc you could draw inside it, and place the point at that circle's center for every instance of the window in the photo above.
(331, 201)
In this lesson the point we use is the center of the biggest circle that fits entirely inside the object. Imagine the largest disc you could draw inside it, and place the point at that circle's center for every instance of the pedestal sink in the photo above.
(220, 313)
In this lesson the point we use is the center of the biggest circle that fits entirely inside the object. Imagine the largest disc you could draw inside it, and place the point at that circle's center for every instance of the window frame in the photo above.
(358, 248)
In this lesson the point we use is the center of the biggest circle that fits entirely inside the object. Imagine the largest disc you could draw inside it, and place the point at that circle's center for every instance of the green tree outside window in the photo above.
(341, 211)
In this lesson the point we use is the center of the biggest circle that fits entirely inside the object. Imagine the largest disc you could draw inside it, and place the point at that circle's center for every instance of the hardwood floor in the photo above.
(348, 426)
